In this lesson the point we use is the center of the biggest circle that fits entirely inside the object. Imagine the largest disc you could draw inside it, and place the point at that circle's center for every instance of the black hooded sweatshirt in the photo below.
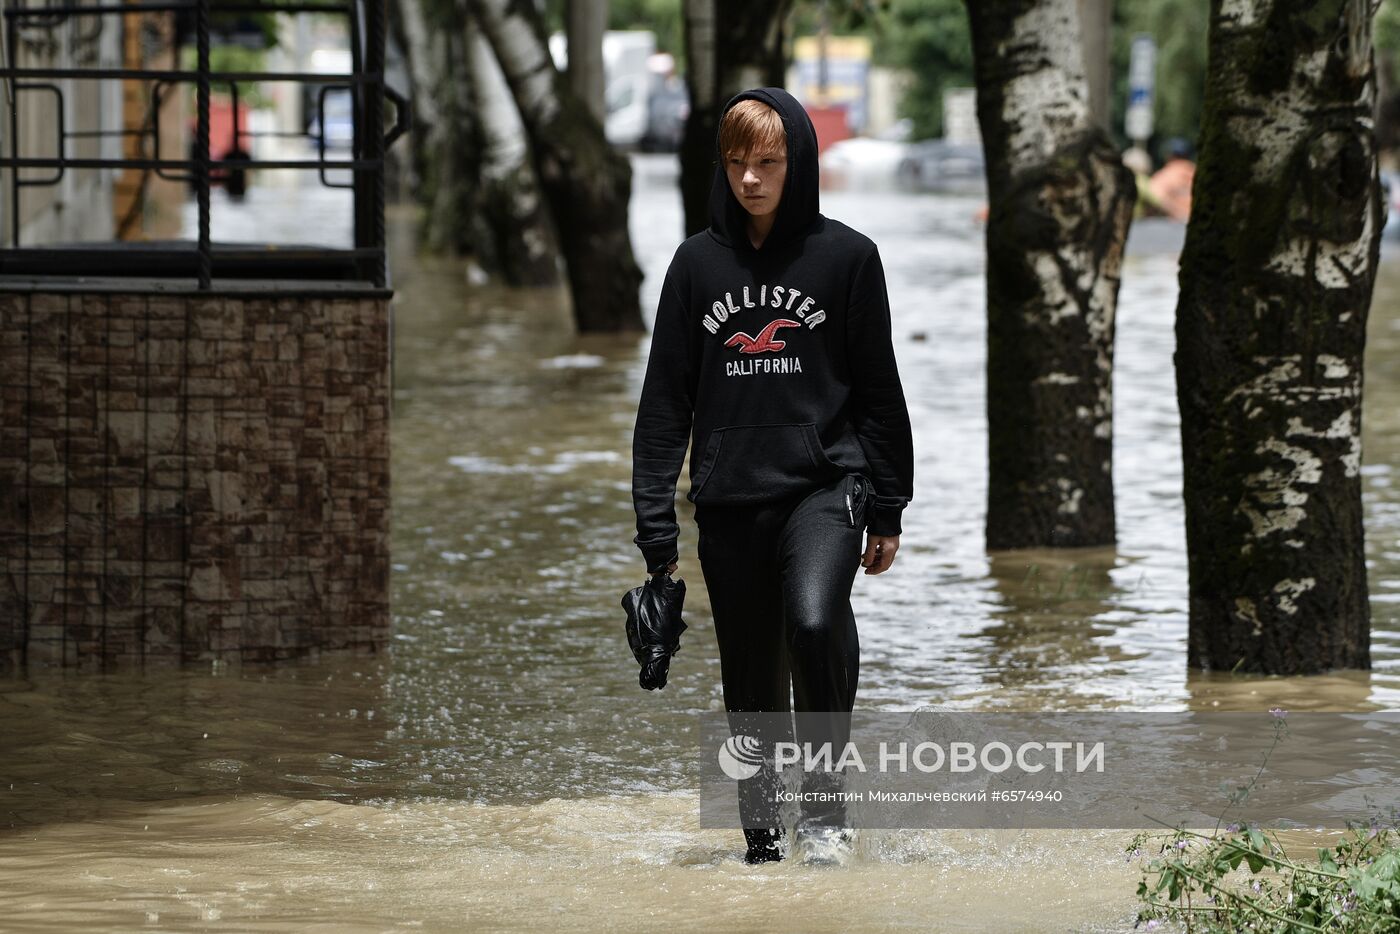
(774, 362)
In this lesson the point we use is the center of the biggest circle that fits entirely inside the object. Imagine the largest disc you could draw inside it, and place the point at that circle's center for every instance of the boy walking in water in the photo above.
(772, 357)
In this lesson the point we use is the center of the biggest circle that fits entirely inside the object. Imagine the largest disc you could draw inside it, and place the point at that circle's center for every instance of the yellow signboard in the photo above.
(847, 61)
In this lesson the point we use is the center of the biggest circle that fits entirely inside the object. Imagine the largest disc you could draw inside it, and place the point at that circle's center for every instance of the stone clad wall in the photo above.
(188, 477)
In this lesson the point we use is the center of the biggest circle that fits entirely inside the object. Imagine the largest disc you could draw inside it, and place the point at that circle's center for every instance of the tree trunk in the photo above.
(697, 150)
(446, 138)
(588, 20)
(586, 183)
(750, 56)
(1276, 278)
(515, 239)
(1096, 20)
(406, 22)
(1060, 203)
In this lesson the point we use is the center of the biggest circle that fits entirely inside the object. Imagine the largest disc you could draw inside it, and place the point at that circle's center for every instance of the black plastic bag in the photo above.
(654, 626)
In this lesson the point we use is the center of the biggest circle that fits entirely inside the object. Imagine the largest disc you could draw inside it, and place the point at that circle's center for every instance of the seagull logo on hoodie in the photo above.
(764, 340)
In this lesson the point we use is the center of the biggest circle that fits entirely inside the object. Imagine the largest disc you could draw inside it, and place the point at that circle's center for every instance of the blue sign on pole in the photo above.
(1142, 79)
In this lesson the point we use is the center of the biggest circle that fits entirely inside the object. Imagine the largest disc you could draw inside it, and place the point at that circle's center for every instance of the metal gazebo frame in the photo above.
(206, 261)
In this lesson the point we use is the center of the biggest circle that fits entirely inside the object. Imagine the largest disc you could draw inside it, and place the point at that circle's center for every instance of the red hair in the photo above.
(749, 126)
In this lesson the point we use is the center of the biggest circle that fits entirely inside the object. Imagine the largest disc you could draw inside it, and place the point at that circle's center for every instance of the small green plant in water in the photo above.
(1193, 879)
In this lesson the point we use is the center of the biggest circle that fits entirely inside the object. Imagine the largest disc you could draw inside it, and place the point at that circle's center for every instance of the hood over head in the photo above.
(798, 207)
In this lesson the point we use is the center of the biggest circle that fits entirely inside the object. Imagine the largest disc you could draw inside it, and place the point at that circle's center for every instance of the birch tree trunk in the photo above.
(750, 56)
(1276, 279)
(423, 58)
(515, 235)
(587, 184)
(446, 137)
(1060, 203)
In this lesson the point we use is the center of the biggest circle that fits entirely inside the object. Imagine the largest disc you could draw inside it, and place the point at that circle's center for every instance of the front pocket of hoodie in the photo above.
(758, 463)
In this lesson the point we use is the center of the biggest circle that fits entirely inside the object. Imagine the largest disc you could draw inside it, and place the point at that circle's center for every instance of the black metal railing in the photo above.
(205, 260)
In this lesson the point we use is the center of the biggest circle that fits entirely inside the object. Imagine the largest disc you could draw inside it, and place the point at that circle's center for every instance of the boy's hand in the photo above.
(879, 553)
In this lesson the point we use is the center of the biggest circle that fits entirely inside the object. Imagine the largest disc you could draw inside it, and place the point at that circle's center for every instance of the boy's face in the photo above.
(757, 180)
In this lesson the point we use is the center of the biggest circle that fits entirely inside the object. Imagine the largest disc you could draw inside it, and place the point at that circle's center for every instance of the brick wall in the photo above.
(192, 477)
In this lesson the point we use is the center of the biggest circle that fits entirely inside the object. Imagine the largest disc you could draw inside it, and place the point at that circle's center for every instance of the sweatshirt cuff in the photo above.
(659, 555)
(885, 519)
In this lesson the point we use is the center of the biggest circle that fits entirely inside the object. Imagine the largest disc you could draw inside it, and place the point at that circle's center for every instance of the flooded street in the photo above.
(499, 769)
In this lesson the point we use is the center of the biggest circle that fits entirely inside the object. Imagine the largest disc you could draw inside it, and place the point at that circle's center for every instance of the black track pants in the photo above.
(779, 578)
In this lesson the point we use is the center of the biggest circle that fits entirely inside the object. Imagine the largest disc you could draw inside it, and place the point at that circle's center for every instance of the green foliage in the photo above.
(1200, 880)
(264, 24)
(662, 17)
(443, 14)
(1197, 879)
(554, 15)
(230, 58)
(844, 17)
(932, 39)
(1387, 30)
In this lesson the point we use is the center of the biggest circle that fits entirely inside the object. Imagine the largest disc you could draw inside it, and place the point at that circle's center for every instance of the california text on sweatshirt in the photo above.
(775, 363)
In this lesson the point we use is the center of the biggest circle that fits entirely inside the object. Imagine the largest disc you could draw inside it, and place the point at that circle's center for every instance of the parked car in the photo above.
(862, 162)
(866, 161)
(937, 165)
